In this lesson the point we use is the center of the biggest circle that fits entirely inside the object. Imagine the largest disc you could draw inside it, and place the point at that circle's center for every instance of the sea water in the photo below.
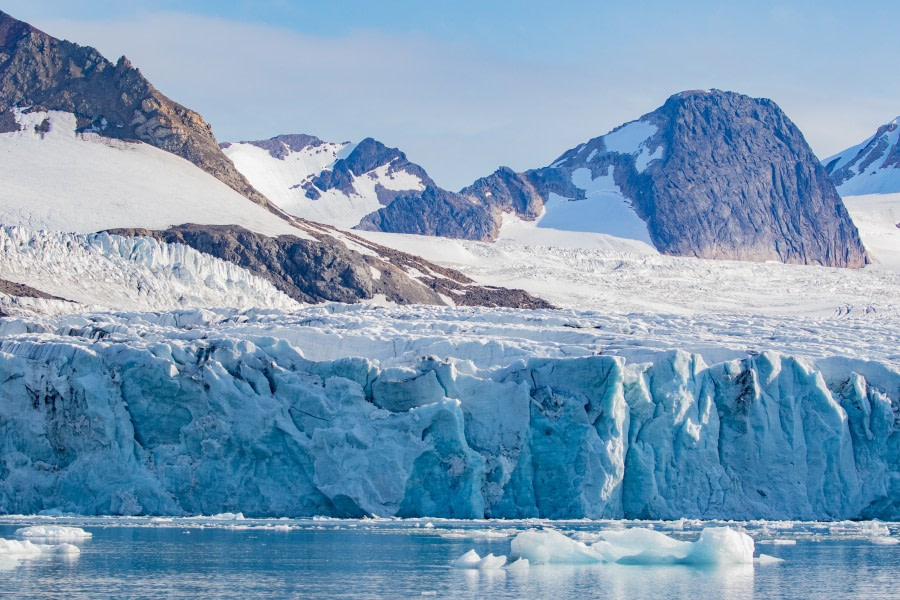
(228, 556)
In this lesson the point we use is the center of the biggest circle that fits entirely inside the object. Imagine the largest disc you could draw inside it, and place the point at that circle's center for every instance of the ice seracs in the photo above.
(445, 413)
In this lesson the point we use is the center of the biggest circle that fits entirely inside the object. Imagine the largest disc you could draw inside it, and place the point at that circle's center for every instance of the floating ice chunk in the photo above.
(16, 548)
(885, 541)
(429, 525)
(765, 559)
(716, 546)
(721, 546)
(552, 547)
(778, 542)
(519, 565)
(66, 549)
(56, 533)
(282, 528)
(643, 545)
(227, 516)
(471, 560)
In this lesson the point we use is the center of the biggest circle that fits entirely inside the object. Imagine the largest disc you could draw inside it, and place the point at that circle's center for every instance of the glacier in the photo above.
(352, 411)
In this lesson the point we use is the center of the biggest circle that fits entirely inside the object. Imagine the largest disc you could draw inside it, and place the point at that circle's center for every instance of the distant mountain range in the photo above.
(710, 174)
(91, 145)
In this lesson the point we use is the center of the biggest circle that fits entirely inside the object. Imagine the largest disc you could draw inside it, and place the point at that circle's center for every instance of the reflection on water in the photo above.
(609, 581)
(343, 559)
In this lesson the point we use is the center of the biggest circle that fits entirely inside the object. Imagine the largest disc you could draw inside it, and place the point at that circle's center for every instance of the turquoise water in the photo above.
(200, 558)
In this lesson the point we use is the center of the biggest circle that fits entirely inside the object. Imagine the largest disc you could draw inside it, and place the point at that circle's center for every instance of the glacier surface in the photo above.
(463, 413)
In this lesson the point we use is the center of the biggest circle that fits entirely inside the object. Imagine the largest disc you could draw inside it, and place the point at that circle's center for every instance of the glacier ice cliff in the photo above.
(170, 413)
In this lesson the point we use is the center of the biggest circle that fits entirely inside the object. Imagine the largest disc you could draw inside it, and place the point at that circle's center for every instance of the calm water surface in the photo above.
(367, 559)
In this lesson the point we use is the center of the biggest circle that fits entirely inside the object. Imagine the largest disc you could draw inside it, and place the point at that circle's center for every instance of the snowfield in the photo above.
(421, 411)
(63, 181)
(623, 282)
(877, 217)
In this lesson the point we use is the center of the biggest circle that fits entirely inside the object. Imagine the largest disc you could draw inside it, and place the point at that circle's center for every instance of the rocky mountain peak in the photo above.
(114, 100)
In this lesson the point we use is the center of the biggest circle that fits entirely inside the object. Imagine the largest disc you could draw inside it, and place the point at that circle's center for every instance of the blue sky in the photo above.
(463, 87)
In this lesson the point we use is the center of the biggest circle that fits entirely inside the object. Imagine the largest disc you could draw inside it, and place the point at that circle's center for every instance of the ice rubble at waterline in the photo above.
(197, 412)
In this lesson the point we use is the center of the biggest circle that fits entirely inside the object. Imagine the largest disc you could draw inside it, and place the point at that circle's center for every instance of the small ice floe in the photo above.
(54, 533)
(778, 542)
(14, 551)
(429, 525)
(519, 565)
(15, 548)
(765, 559)
(471, 560)
(884, 540)
(227, 516)
(638, 546)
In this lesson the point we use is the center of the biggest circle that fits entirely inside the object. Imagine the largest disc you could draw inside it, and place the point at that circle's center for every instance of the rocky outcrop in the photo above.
(737, 180)
(114, 100)
(325, 270)
(21, 290)
(434, 212)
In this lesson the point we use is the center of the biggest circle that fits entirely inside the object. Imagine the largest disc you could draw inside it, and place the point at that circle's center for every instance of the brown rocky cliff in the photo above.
(115, 100)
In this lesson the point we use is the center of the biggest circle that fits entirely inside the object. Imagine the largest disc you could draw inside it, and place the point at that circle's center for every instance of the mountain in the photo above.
(870, 167)
(333, 183)
(89, 146)
(709, 174)
(114, 100)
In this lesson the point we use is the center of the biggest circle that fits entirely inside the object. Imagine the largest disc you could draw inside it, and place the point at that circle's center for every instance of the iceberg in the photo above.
(636, 546)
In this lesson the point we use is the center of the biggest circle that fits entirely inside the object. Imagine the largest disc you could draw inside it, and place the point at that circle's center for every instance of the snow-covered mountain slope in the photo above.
(336, 184)
(101, 270)
(877, 216)
(599, 279)
(870, 167)
(114, 100)
(56, 179)
(603, 219)
(449, 413)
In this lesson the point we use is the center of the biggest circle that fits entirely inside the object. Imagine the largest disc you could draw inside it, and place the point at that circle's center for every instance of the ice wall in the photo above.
(122, 424)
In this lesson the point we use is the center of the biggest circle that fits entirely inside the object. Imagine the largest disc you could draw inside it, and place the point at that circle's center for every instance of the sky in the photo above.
(466, 86)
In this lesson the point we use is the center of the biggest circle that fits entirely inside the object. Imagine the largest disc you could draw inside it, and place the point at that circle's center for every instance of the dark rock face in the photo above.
(20, 289)
(434, 212)
(738, 181)
(114, 100)
(324, 270)
(282, 145)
